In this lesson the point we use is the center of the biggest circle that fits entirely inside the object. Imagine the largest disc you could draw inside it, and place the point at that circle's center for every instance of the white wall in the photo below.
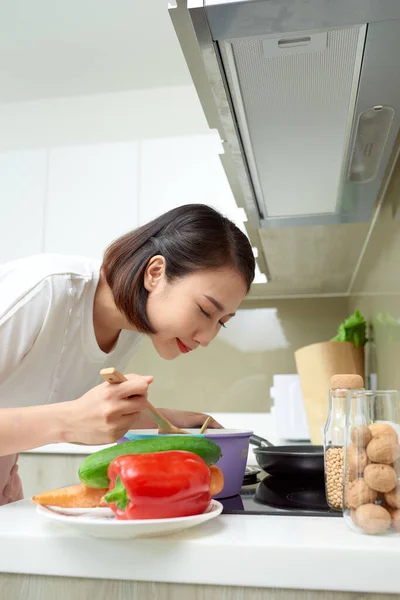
(126, 116)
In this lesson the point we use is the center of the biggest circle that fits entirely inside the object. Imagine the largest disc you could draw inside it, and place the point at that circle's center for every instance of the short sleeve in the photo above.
(21, 319)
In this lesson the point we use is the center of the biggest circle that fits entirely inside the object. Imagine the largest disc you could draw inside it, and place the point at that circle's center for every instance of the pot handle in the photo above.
(256, 440)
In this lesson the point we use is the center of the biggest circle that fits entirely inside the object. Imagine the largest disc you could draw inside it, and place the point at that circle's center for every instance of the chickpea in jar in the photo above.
(334, 460)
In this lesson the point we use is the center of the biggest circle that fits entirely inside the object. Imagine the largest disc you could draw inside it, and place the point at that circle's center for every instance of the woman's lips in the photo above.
(182, 347)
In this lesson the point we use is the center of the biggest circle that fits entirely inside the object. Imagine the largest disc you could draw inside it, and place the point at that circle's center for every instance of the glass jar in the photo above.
(371, 487)
(334, 436)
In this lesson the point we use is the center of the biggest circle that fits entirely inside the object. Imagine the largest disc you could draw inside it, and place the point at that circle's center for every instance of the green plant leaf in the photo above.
(353, 329)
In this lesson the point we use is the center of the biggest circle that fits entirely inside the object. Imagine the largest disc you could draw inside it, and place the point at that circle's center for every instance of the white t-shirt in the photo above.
(48, 349)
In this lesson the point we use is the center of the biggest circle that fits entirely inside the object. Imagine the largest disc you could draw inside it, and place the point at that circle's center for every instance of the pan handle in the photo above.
(256, 440)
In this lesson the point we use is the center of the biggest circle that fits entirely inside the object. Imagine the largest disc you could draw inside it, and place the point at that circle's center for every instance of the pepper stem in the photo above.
(118, 494)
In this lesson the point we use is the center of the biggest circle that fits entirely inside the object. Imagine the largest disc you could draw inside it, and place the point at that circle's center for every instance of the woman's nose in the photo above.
(203, 338)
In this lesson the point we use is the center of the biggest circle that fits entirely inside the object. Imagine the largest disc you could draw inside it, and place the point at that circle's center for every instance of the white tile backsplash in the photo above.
(92, 197)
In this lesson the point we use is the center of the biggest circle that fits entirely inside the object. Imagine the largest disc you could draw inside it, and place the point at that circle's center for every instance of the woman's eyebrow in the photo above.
(217, 304)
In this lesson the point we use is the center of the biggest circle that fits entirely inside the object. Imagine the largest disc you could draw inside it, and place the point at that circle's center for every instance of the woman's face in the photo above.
(189, 312)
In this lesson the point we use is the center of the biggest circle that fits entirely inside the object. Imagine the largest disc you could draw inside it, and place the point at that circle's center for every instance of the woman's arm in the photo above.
(26, 428)
(101, 416)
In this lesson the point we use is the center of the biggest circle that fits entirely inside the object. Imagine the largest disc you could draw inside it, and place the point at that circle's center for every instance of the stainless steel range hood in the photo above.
(306, 97)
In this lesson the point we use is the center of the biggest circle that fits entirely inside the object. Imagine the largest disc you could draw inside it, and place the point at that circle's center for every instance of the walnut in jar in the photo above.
(361, 436)
(392, 498)
(395, 516)
(383, 448)
(358, 493)
(353, 513)
(383, 428)
(381, 478)
(373, 518)
(357, 460)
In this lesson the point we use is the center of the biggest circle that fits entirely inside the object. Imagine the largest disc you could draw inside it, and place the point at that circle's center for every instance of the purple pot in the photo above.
(235, 448)
(234, 444)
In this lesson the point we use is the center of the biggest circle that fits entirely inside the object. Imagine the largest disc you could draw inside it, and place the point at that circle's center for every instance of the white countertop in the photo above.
(254, 551)
(237, 550)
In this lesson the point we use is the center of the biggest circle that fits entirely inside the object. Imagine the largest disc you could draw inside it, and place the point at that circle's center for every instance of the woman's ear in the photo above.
(154, 272)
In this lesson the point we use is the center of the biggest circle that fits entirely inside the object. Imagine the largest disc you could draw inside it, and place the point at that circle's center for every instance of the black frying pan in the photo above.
(288, 460)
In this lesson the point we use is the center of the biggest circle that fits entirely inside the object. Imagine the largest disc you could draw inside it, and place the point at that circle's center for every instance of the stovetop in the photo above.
(283, 496)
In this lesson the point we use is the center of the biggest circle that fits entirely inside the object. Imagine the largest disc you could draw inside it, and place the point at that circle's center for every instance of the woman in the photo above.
(177, 279)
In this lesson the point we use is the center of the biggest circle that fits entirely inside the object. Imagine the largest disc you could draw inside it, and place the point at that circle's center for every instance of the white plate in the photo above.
(84, 512)
(98, 524)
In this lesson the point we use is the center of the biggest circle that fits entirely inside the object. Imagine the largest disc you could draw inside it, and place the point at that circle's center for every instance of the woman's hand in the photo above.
(188, 419)
(106, 412)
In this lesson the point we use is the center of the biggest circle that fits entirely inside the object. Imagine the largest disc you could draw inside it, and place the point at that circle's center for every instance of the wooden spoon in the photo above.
(205, 425)
(164, 426)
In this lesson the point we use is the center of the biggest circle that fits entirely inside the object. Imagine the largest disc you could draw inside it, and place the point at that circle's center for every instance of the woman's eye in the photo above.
(206, 314)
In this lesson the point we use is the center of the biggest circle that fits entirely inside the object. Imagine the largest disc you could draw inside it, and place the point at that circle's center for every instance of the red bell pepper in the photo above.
(158, 485)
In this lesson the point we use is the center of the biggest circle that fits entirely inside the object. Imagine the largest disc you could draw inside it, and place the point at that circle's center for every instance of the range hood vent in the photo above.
(294, 100)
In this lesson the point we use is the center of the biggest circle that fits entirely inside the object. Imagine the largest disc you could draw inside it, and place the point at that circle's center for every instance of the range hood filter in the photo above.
(294, 99)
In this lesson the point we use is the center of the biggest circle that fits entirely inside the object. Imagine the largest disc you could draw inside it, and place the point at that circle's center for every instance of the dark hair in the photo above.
(190, 238)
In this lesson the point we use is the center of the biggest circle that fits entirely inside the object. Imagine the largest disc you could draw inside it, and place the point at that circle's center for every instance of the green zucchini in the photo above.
(93, 470)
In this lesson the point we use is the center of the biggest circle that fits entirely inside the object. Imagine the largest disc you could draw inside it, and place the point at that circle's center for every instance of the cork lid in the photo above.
(349, 382)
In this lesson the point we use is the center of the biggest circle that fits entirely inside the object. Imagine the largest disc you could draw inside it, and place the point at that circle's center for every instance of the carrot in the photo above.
(82, 496)
(217, 480)
(73, 496)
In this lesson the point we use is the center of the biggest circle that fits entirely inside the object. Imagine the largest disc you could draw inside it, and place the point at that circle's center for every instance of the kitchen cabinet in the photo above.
(22, 202)
(184, 170)
(42, 472)
(77, 199)
(64, 588)
(92, 197)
